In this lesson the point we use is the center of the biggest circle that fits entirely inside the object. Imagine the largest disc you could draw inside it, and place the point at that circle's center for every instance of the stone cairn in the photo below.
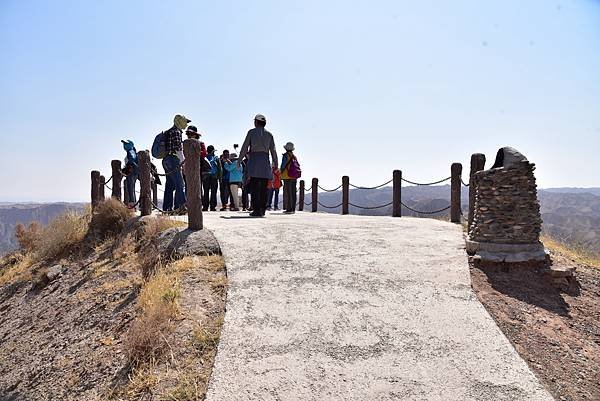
(506, 206)
(506, 223)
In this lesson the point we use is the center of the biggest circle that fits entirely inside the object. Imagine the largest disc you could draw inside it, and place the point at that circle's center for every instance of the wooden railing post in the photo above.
(397, 194)
(301, 196)
(145, 186)
(191, 168)
(154, 193)
(116, 178)
(455, 186)
(125, 196)
(101, 185)
(345, 194)
(95, 188)
(477, 164)
(315, 194)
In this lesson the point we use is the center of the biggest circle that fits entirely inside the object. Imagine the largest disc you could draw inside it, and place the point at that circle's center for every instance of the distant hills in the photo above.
(571, 215)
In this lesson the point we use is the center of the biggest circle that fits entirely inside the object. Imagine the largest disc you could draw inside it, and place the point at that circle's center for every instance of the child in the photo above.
(273, 190)
(236, 177)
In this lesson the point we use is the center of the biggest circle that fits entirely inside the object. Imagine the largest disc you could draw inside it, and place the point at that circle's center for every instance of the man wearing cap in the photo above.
(172, 163)
(259, 143)
(210, 180)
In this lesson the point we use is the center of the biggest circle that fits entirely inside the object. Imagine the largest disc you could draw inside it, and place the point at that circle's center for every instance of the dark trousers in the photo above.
(210, 185)
(226, 195)
(289, 195)
(245, 195)
(273, 198)
(258, 188)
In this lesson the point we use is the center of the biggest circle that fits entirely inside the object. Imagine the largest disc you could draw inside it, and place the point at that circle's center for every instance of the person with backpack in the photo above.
(290, 172)
(168, 146)
(236, 176)
(131, 171)
(258, 144)
(210, 180)
(273, 193)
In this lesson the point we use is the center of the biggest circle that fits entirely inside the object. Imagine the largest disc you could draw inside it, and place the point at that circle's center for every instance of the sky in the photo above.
(361, 88)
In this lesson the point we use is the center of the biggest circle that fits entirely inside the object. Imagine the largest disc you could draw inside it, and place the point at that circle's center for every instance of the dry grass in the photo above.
(28, 237)
(575, 253)
(61, 234)
(159, 224)
(109, 218)
(147, 338)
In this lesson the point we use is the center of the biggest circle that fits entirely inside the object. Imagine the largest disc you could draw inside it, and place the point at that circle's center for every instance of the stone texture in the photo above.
(507, 210)
(179, 242)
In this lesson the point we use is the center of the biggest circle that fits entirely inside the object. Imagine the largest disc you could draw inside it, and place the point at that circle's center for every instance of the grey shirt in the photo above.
(259, 140)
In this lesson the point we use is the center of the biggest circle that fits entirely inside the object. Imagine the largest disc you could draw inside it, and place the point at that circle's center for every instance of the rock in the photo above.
(54, 272)
(178, 242)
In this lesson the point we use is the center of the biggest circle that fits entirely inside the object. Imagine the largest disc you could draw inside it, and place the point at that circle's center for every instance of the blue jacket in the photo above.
(235, 174)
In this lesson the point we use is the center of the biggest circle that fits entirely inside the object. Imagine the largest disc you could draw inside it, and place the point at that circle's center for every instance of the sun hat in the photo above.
(181, 121)
(260, 117)
(192, 131)
(289, 146)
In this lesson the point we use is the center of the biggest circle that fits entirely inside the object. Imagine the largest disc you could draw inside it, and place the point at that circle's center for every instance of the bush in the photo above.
(29, 237)
(109, 218)
(61, 234)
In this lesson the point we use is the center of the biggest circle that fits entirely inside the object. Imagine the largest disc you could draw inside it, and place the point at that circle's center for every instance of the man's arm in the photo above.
(244, 149)
(273, 152)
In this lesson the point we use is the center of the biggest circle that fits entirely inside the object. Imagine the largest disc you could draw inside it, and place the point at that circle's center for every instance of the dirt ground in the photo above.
(555, 330)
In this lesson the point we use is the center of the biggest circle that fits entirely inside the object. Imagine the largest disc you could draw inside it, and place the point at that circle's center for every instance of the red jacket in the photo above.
(275, 183)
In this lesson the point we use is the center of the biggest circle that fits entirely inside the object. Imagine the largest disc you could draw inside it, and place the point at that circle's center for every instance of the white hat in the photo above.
(260, 117)
(289, 146)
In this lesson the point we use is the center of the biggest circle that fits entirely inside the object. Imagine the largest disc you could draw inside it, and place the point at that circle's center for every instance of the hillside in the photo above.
(110, 307)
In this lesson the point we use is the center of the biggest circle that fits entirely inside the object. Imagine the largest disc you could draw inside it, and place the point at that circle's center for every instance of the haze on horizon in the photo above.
(361, 89)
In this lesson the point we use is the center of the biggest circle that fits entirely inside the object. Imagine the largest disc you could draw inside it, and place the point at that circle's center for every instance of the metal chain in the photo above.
(308, 190)
(420, 212)
(425, 184)
(328, 207)
(464, 183)
(134, 205)
(329, 190)
(377, 187)
(370, 207)
(106, 182)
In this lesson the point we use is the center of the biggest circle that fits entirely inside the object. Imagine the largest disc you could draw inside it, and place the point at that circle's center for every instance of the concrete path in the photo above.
(329, 307)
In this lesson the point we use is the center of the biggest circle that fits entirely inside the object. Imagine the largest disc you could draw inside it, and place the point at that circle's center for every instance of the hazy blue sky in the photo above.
(361, 88)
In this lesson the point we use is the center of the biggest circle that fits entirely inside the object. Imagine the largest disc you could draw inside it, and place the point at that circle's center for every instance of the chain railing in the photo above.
(149, 200)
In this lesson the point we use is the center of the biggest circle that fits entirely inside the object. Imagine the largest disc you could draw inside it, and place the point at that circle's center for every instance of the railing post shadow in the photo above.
(115, 166)
(191, 167)
(301, 196)
(477, 164)
(397, 194)
(455, 186)
(145, 179)
(315, 194)
(95, 188)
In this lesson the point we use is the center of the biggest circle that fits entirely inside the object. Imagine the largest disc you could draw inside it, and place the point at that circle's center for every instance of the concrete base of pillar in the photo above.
(494, 252)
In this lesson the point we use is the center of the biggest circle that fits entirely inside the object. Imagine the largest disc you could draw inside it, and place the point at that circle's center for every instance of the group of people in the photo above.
(255, 171)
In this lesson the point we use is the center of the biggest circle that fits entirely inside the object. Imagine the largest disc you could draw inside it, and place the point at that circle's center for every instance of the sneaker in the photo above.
(275, 208)
(269, 208)
(204, 209)
(224, 209)
(243, 209)
(235, 209)
(255, 214)
(213, 209)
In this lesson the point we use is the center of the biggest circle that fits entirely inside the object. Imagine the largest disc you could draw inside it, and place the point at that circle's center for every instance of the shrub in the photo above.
(153, 227)
(28, 237)
(109, 218)
(61, 234)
